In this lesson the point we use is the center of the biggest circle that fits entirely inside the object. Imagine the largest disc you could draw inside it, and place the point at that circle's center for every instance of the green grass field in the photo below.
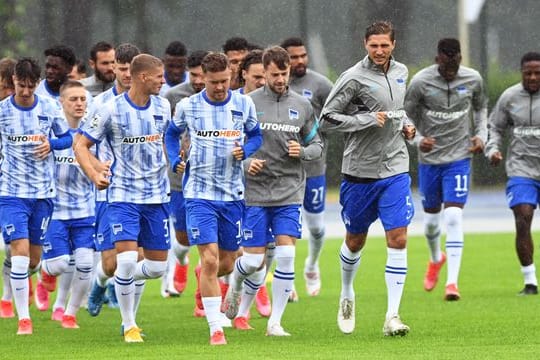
(490, 321)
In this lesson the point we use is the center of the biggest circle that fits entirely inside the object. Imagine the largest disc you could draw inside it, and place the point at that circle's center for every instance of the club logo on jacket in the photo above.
(293, 114)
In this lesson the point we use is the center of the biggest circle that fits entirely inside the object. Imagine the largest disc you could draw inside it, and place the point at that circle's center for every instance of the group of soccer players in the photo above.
(229, 150)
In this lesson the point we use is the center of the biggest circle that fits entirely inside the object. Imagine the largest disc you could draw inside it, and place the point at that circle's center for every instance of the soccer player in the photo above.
(71, 230)
(251, 72)
(104, 279)
(517, 114)
(314, 87)
(366, 104)
(7, 88)
(102, 62)
(236, 48)
(252, 77)
(27, 177)
(217, 120)
(275, 183)
(7, 66)
(175, 65)
(138, 185)
(195, 83)
(175, 280)
(440, 101)
(59, 62)
(78, 72)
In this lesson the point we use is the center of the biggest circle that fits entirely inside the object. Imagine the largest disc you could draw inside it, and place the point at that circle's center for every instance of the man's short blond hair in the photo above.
(144, 62)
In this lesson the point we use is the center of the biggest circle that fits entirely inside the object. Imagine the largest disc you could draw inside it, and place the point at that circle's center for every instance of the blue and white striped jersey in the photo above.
(44, 91)
(22, 174)
(135, 134)
(212, 173)
(74, 191)
(103, 150)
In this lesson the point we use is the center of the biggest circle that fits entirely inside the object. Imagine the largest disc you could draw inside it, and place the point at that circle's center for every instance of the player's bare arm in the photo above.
(86, 160)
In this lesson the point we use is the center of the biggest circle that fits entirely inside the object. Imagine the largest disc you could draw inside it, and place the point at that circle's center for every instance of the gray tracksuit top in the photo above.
(95, 86)
(174, 95)
(442, 110)
(178, 92)
(517, 111)
(314, 87)
(370, 151)
(281, 118)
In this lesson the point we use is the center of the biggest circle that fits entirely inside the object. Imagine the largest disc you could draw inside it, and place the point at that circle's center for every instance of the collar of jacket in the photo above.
(369, 64)
(275, 96)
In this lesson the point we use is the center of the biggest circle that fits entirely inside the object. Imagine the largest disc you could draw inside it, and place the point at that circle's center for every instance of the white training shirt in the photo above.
(212, 173)
(135, 134)
(22, 174)
(74, 190)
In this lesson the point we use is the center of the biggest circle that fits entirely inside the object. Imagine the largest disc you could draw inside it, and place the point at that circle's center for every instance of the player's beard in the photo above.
(300, 71)
(105, 77)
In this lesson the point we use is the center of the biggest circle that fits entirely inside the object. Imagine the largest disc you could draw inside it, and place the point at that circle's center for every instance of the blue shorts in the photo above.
(389, 199)
(262, 222)
(444, 183)
(178, 210)
(146, 223)
(24, 218)
(217, 222)
(64, 236)
(315, 194)
(103, 239)
(520, 190)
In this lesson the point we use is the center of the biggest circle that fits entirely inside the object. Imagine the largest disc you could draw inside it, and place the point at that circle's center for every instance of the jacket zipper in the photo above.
(530, 109)
(448, 93)
(389, 87)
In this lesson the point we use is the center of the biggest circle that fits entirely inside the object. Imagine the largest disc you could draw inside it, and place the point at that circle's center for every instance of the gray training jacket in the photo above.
(177, 93)
(95, 86)
(442, 110)
(517, 111)
(281, 118)
(315, 88)
(370, 151)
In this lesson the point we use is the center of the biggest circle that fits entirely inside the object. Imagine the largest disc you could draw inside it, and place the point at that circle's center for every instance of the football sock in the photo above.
(315, 224)
(432, 230)
(529, 274)
(453, 218)
(125, 287)
(394, 275)
(349, 266)
(283, 282)
(64, 285)
(84, 259)
(213, 314)
(251, 286)
(19, 284)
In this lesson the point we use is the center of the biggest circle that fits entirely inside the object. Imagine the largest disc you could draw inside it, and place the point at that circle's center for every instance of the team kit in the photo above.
(108, 180)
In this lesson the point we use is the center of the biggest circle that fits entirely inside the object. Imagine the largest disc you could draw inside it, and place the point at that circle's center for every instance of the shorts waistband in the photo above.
(358, 180)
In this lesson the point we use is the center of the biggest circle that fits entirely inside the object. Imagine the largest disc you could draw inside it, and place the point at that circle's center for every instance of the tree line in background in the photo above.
(75, 23)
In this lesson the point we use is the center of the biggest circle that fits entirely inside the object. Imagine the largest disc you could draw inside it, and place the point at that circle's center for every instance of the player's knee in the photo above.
(249, 263)
(453, 216)
(153, 269)
(126, 263)
(109, 268)
(431, 229)
(55, 266)
(84, 258)
(315, 223)
(182, 238)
